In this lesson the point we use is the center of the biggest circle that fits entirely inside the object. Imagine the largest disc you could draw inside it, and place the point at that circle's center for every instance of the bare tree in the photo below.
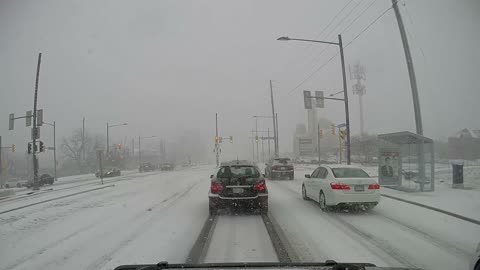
(72, 148)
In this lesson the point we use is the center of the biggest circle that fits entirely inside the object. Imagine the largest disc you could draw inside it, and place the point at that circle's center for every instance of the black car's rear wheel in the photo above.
(264, 207)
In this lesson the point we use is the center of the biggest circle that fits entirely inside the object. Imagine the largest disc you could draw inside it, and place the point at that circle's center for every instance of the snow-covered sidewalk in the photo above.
(463, 202)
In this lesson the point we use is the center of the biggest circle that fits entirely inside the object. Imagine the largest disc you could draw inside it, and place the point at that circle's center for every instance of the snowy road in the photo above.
(158, 216)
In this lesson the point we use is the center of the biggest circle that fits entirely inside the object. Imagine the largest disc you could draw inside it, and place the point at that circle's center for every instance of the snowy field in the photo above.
(150, 217)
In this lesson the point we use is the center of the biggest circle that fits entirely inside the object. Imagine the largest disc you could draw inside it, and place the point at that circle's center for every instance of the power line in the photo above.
(323, 30)
(366, 28)
(313, 73)
(341, 21)
(358, 16)
(333, 19)
(349, 43)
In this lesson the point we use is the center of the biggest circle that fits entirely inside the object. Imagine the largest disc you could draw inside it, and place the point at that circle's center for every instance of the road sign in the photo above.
(10, 121)
(320, 101)
(28, 119)
(39, 117)
(307, 99)
(35, 133)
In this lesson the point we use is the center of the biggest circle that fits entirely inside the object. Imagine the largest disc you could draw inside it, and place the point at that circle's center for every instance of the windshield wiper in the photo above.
(165, 265)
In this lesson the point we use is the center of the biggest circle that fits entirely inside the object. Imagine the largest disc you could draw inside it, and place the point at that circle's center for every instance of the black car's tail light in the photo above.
(216, 187)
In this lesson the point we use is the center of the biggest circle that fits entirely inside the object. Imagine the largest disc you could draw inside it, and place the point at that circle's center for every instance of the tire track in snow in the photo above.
(91, 226)
(106, 257)
(381, 249)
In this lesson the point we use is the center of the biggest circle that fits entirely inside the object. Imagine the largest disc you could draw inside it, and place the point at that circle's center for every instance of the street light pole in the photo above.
(345, 93)
(345, 97)
(108, 145)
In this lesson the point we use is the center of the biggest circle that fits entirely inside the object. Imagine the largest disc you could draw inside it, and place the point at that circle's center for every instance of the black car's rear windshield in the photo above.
(282, 161)
(238, 174)
(349, 173)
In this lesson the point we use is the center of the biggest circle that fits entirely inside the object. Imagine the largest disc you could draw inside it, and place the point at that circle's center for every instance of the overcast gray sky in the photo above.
(168, 66)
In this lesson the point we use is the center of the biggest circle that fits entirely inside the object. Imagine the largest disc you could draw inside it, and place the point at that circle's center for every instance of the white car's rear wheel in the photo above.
(323, 202)
(304, 193)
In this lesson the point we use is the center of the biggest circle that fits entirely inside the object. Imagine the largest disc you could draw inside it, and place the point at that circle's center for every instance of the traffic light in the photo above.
(320, 133)
(29, 148)
(119, 146)
(220, 140)
(42, 146)
(216, 139)
(231, 139)
(343, 133)
(256, 138)
(13, 148)
(333, 129)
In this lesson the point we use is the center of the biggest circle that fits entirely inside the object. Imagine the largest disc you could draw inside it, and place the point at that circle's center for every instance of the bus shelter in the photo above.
(406, 161)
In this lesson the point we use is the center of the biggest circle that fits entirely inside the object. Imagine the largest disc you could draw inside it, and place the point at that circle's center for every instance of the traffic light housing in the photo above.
(320, 133)
(231, 139)
(13, 148)
(119, 147)
(42, 146)
(29, 148)
(216, 139)
(256, 138)
(333, 129)
(220, 140)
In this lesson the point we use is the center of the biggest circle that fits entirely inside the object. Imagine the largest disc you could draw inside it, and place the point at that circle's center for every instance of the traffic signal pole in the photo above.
(35, 131)
(217, 154)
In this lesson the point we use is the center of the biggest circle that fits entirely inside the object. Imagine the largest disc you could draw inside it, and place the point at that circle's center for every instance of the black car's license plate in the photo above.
(359, 188)
(237, 190)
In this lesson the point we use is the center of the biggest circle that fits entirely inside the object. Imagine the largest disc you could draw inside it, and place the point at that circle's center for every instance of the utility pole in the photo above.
(83, 138)
(411, 71)
(1, 165)
(263, 152)
(256, 137)
(108, 145)
(133, 148)
(268, 135)
(275, 134)
(413, 85)
(139, 153)
(217, 154)
(55, 153)
(253, 146)
(318, 143)
(35, 132)
(277, 148)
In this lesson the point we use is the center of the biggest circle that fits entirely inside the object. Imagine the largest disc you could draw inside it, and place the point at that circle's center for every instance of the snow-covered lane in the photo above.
(393, 234)
(153, 218)
(240, 238)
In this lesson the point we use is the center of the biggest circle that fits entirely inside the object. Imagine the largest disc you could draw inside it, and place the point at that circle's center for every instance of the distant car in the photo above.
(44, 179)
(475, 262)
(341, 186)
(166, 166)
(109, 173)
(146, 167)
(279, 168)
(238, 184)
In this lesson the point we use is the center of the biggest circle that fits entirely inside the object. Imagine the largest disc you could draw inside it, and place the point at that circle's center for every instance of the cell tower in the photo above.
(359, 74)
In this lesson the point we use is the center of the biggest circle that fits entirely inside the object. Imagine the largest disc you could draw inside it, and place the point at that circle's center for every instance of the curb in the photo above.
(471, 220)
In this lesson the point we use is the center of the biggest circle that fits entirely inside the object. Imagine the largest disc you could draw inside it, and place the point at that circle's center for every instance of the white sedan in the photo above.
(341, 186)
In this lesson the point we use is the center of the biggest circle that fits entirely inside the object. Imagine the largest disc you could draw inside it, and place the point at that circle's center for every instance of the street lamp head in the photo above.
(283, 38)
